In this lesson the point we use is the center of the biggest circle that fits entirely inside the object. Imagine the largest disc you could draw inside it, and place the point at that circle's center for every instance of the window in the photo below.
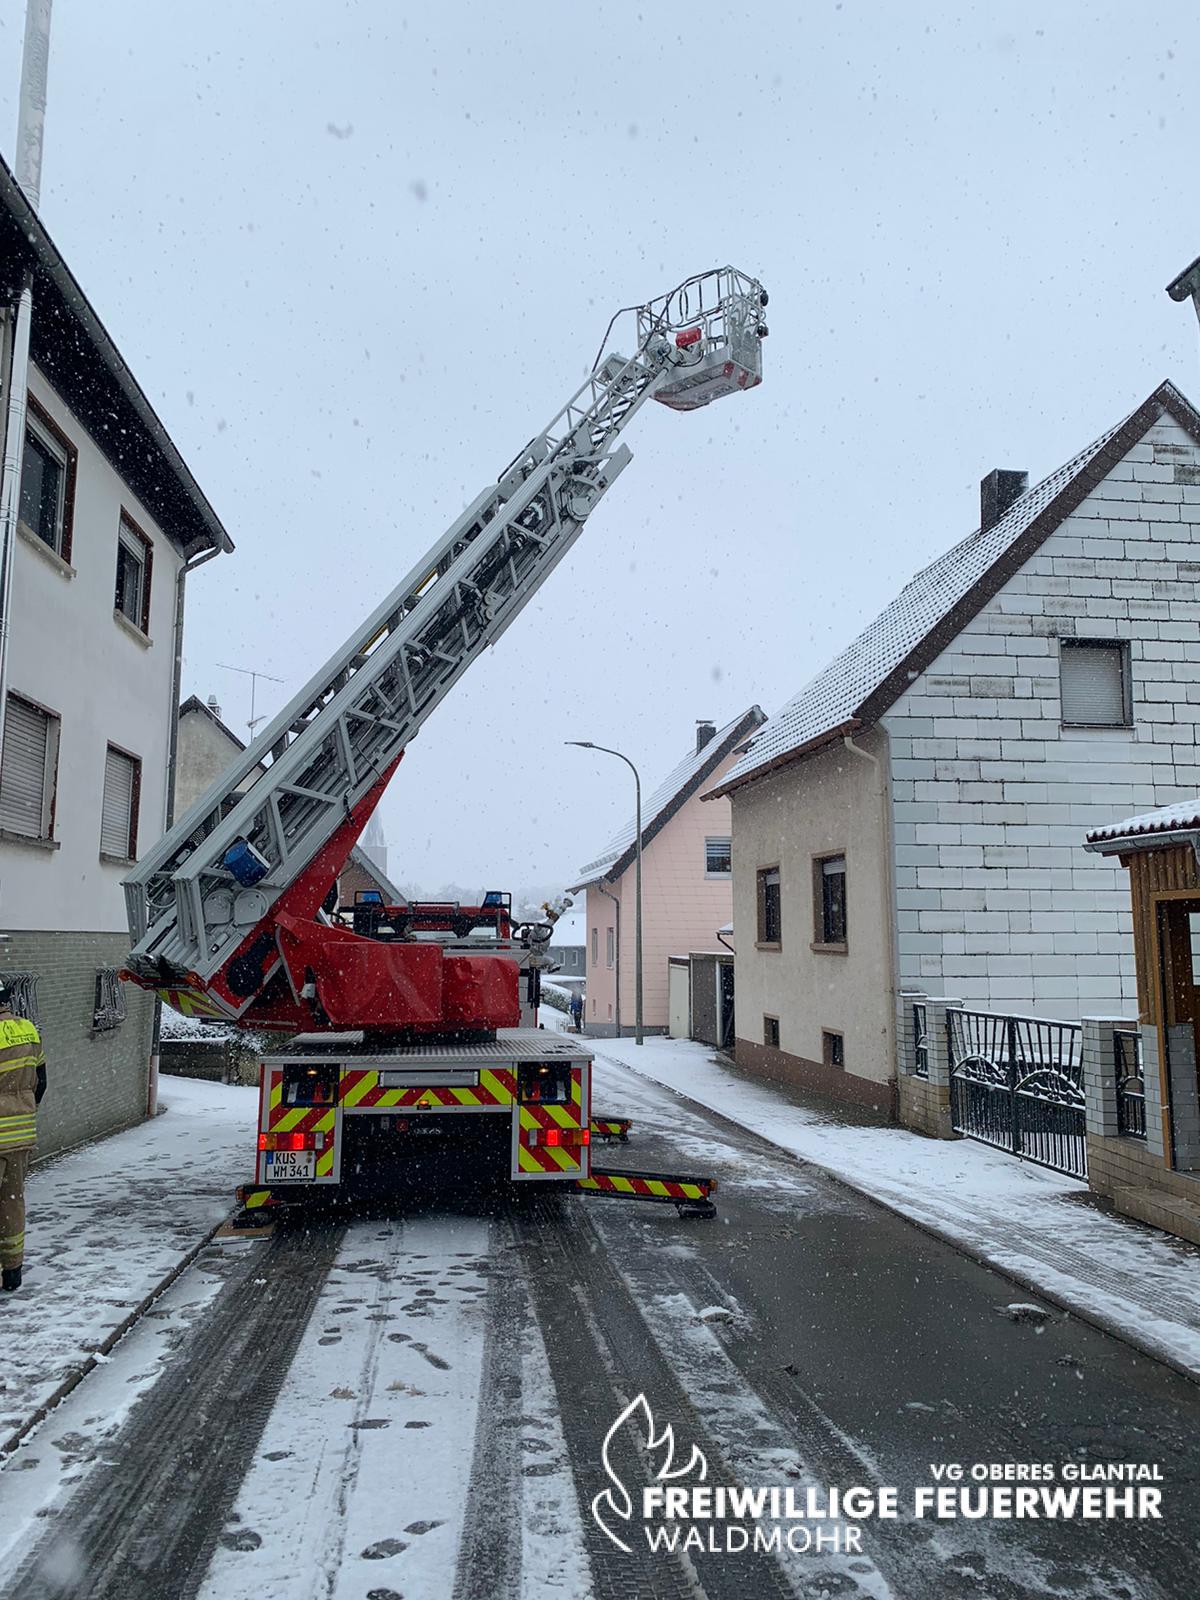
(109, 1010)
(769, 924)
(1094, 683)
(595, 947)
(829, 886)
(47, 482)
(23, 1000)
(135, 561)
(28, 769)
(832, 1052)
(771, 1031)
(610, 948)
(119, 809)
(718, 858)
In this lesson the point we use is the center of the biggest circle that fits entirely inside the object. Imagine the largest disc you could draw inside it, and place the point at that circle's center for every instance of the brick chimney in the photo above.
(999, 490)
(704, 732)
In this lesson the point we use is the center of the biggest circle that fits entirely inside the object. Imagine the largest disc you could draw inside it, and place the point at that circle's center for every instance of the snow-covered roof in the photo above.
(870, 674)
(678, 786)
(1182, 817)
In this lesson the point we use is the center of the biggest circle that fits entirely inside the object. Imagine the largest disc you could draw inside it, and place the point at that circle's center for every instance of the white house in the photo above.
(911, 820)
(108, 522)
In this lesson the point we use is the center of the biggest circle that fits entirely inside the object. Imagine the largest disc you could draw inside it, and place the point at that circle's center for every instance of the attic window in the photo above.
(1094, 683)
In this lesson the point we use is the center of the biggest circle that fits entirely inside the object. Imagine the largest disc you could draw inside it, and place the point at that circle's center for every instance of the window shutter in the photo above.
(116, 816)
(23, 775)
(1093, 685)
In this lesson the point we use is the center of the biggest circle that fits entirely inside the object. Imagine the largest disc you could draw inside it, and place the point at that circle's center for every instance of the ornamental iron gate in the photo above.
(1017, 1083)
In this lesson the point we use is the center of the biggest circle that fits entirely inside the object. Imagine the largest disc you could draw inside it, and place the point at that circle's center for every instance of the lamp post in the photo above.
(586, 744)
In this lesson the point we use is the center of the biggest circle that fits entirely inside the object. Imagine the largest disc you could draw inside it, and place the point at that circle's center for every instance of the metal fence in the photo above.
(1131, 1085)
(1017, 1083)
(920, 1036)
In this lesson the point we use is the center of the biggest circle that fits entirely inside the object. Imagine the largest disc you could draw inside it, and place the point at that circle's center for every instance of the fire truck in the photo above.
(404, 1023)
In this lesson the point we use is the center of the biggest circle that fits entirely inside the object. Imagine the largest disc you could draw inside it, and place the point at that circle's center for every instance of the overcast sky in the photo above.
(358, 253)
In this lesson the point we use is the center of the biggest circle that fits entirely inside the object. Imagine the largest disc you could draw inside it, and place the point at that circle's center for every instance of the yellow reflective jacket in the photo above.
(20, 1057)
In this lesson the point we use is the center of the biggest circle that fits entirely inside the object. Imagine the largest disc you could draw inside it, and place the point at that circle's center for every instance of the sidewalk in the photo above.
(107, 1226)
(1037, 1226)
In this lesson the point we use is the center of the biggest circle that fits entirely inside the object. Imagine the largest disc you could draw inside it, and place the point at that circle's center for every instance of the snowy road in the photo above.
(415, 1404)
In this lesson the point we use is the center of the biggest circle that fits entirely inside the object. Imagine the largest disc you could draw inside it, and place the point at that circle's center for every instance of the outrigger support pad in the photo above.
(691, 1197)
(610, 1127)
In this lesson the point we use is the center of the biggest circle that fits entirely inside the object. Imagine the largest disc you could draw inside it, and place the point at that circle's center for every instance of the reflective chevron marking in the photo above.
(647, 1186)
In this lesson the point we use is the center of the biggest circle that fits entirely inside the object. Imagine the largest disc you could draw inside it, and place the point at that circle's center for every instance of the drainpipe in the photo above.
(617, 941)
(181, 578)
(10, 483)
(885, 861)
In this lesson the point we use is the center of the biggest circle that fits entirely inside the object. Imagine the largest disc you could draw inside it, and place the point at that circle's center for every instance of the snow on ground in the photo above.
(361, 1478)
(1020, 1218)
(39, 1476)
(360, 1475)
(105, 1226)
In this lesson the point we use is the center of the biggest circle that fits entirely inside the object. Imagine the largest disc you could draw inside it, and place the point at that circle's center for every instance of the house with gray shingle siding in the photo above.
(911, 820)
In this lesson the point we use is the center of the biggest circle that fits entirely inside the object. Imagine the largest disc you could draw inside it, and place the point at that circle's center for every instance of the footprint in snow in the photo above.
(277, 1455)
(382, 1548)
(331, 1338)
(434, 1361)
(241, 1539)
(418, 1424)
(399, 1338)
(422, 1527)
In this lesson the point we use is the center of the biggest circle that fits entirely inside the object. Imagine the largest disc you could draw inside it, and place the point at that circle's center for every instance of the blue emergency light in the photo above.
(245, 863)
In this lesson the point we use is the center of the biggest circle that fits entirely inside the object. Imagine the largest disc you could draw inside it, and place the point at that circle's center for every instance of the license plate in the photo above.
(286, 1164)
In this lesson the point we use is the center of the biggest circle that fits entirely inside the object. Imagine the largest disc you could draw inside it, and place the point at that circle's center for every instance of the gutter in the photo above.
(810, 747)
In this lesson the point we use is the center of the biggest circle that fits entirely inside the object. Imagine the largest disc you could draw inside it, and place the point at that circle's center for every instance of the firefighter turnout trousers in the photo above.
(13, 1169)
(20, 1057)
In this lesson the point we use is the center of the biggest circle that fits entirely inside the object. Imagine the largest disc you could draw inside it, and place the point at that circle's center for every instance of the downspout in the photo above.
(608, 894)
(887, 874)
(10, 483)
(169, 798)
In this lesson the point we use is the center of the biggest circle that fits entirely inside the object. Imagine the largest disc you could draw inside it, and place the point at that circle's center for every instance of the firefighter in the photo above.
(22, 1085)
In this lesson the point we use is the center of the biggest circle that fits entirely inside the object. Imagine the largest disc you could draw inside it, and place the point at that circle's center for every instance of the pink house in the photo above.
(686, 884)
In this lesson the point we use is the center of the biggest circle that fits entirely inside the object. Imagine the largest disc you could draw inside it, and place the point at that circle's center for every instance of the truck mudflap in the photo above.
(691, 1197)
(610, 1127)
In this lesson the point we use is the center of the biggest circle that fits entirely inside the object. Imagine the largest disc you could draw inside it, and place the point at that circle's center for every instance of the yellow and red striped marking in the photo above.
(190, 1003)
(611, 1127)
(645, 1186)
(361, 1091)
(533, 1156)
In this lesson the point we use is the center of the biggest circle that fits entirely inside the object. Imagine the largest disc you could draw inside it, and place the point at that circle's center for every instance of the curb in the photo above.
(74, 1378)
(1145, 1345)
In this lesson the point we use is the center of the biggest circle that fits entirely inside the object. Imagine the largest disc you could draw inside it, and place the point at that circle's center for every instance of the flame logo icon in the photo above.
(616, 1504)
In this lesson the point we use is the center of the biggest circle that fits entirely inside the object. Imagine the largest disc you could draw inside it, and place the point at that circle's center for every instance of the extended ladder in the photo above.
(195, 898)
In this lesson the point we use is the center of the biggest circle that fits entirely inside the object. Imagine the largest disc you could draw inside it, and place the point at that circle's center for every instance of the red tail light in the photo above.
(292, 1141)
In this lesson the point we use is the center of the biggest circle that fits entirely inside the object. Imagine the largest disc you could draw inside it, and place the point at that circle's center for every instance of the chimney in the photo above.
(704, 732)
(213, 705)
(999, 490)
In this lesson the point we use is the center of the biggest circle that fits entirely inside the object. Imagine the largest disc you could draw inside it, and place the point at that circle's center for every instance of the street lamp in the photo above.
(586, 744)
